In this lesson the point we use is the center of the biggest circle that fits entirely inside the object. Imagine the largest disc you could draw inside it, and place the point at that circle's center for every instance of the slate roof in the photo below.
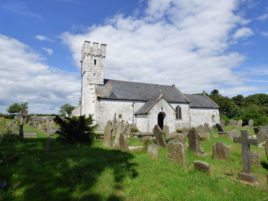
(124, 90)
(201, 101)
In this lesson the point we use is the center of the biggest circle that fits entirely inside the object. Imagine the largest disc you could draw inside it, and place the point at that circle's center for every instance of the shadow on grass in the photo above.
(264, 165)
(64, 172)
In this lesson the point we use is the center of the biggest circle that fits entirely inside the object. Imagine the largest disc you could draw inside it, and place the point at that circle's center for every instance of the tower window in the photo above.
(178, 112)
(95, 62)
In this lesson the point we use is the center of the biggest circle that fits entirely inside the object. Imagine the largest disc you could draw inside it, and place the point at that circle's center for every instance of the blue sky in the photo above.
(197, 45)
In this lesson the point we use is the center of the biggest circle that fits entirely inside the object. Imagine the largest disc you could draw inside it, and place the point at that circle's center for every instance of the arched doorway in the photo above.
(160, 119)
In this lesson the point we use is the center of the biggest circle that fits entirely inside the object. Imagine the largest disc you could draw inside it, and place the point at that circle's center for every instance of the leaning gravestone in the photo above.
(194, 141)
(222, 123)
(251, 123)
(202, 166)
(233, 133)
(159, 136)
(176, 152)
(107, 139)
(152, 151)
(220, 129)
(166, 131)
(202, 131)
(261, 134)
(220, 151)
(245, 142)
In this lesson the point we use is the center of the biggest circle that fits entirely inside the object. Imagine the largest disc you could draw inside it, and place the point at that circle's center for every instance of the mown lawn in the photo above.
(71, 172)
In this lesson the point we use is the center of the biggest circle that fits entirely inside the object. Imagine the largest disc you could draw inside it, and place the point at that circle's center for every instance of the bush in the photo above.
(76, 129)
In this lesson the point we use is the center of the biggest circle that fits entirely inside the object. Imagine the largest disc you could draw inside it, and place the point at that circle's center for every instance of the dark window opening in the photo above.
(178, 112)
(120, 116)
(160, 119)
(95, 62)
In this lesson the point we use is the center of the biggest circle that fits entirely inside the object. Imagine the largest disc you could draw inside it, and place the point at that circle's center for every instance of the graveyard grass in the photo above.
(73, 172)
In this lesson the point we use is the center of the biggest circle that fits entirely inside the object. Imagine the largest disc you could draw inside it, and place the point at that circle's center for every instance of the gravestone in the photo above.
(240, 123)
(255, 159)
(176, 152)
(194, 141)
(185, 131)
(152, 151)
(30, 134)
(202, 132)
(118, 129)
(159, 136)
(220, 129)
(266, 148)
(261, 134)
(245, 142)
(233, 133)
(251, 123)
(180, 137)
(232, 122)
(220, 151)
(202, 166)
(222, 123)
(107, 138)
(166, 131)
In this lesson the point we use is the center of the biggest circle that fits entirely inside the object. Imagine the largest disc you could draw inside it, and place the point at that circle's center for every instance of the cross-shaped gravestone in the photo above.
(245, 144)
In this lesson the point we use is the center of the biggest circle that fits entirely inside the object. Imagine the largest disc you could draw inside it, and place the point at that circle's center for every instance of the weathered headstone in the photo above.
(251, 123)
(194, 141)
(220, 151)
(240, 123)
(233, 133)
(176, 152)
(180, 137)
(266, 148)
(107, 139)
(232, 122)
(202, 166)
(118, 129)
(202, 132)
(30, 134)
(222, 123)
(159, 136)
(262, 134)
(220, 129)
(185, 131)
(255, 159)
(152, 150)
(245, 142)
(166, 131)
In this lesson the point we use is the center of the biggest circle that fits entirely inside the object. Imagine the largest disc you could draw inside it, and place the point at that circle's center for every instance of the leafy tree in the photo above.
(14, 108)
(79, 130)
(238, 100)
(215, 92)
(66, 110)
(256, 113)
(18, 108)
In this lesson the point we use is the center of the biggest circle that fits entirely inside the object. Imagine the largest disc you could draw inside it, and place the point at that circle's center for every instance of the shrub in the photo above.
(76, 129)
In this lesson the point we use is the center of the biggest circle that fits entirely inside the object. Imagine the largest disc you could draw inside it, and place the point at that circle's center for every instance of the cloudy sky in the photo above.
(197, 45)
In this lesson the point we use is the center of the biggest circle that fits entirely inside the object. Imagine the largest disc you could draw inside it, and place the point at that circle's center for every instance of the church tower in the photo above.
(92, 71)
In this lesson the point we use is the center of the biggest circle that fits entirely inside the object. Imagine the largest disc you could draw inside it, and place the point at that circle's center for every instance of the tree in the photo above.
(238, 100)
(215, 92)
(79, 130)
(18, 108)
(66, 110)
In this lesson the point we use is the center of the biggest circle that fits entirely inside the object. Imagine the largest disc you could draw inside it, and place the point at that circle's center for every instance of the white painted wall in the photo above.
(201, 116)
(105, 110)
(184, 122)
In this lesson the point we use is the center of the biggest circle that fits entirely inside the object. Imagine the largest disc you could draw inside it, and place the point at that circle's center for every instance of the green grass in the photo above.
(72, 172)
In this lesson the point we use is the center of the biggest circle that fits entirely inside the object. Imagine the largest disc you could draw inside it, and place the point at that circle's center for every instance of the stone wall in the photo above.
(200, 116)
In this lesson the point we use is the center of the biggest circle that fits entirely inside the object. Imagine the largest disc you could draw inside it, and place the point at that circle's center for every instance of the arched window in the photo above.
(178, 112)
(213, 118)
(95, 62)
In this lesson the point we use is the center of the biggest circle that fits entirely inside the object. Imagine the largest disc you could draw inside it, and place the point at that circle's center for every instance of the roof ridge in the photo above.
(136, 82)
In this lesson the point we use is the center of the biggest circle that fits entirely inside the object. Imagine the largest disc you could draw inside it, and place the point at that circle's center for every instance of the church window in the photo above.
(95, 62)
(178, 112)
(120, 116)
(213, 118)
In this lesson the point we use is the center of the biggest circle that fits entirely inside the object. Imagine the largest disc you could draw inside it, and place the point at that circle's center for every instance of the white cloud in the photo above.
(264, 33)
(25, 78)
(42, 38)
(243, 32)
(176, 41)
(49, 51)
(263, 17)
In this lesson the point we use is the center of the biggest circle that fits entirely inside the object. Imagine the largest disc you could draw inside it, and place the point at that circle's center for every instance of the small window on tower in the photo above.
(95, 62)
(120, 116)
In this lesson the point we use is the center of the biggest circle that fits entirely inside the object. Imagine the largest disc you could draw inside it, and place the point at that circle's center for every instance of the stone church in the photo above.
(143, 104)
